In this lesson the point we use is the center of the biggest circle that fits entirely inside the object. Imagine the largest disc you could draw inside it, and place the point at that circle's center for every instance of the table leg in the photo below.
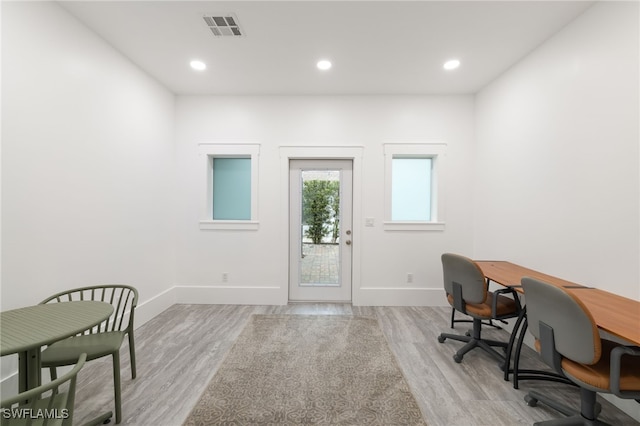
(34, 375)
(527, 374)
(516, 361)
(29, 375)
(512, 338)
(23, 370)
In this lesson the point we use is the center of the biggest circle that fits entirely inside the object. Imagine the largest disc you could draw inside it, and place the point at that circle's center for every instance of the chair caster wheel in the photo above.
(468, 333)
(441, 339)
(457, 358)
(107, 421)
(531, 401)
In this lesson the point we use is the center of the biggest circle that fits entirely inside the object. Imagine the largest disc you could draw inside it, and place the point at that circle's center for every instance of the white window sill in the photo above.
(233, 225)
(413, 226)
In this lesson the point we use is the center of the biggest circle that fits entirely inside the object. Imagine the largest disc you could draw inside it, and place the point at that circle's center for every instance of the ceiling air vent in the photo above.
(223, 25)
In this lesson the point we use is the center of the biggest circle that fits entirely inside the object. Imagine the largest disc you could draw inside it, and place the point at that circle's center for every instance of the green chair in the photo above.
(45, 405)
(104, 339)
(568, 340)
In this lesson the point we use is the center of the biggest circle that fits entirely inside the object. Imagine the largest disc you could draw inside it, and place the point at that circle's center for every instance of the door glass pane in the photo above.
(320, 233)
(232, 188)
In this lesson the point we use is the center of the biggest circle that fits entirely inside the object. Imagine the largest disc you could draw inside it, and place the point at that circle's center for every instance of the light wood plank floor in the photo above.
(179, 351)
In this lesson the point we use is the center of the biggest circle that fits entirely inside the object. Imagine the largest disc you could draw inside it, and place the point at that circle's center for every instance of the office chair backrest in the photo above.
(464, 271)
(574, 330)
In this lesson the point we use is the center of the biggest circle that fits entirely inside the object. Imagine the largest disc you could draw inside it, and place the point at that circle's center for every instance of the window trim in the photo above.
(436, 151)
(209, 151)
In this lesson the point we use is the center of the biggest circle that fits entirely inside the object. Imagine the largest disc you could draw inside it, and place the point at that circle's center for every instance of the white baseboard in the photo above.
(151, 308)
(253, 295)
(371, 296)
(230, 295)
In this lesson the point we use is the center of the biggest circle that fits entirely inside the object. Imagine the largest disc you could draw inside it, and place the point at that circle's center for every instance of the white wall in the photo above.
(255, 260)
(90, 170)
(87, 164)
(557, 182)
(558, 159)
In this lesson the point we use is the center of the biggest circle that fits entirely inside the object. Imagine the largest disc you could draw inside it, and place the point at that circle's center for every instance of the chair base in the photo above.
(575, 420)
(475, 341)
(541, 375)
(587, 417)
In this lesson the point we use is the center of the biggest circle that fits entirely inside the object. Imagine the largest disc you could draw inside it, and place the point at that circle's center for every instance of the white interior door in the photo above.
(320, 217)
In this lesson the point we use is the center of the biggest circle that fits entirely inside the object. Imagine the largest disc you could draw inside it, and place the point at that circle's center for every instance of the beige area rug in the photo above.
(311, 370)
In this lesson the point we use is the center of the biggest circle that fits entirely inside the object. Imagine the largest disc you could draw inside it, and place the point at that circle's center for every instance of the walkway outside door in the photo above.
(320, 216)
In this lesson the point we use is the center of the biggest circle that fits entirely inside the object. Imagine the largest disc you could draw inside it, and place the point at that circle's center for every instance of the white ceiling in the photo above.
(377, 47)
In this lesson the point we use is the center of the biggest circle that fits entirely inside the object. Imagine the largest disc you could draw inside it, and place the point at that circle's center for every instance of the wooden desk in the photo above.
(614, 314)
(617, 315)
(25, 330)
(509, 274)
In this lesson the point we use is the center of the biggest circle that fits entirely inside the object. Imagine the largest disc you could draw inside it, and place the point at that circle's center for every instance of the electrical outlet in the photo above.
(225, 277)
(409, 277)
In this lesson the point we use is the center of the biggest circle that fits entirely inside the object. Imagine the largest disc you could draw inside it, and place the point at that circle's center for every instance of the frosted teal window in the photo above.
(232, 188)
(411, 189)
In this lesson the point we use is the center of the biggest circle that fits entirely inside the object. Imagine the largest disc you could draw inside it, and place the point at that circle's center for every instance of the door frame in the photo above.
(343, 292)
(353, 153)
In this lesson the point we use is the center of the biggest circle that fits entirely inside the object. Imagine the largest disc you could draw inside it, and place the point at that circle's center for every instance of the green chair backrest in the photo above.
(47, 404)
(123, 298)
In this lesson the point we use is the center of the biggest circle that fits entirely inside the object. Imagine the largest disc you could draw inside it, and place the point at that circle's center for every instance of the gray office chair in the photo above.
(568, 341)
(46, 399)
(104, 339)
(468, 292)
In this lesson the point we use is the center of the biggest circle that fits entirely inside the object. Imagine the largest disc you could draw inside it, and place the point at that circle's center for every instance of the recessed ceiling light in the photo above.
(324, 65)
(198, 65)
(451, 64)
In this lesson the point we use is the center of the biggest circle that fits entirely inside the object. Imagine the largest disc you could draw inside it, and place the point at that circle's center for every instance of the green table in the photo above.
(25, 330)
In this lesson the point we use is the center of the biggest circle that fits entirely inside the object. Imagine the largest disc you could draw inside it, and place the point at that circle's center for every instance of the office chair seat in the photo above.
(505, 305)
(598, 376)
